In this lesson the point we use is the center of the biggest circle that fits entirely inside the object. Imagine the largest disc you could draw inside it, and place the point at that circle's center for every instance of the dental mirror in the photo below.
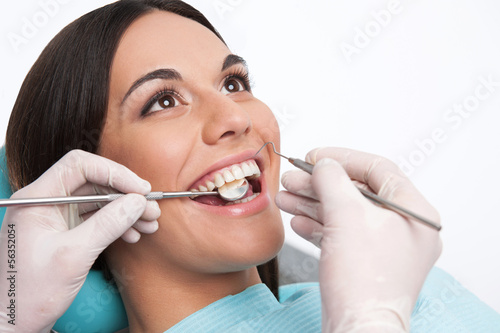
(235, 190)
(230, 192)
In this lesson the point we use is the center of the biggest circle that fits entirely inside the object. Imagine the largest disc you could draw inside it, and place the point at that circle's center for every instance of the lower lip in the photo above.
(252, 207)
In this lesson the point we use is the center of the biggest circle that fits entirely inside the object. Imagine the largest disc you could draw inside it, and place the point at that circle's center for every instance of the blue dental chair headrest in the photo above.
(5, 191)
(98, 306)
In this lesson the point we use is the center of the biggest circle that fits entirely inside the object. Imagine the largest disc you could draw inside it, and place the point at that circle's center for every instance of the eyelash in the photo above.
(156, 97)
(243, 76)
(239, 74)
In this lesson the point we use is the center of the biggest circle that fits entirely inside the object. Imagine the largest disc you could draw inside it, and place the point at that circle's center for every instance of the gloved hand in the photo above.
(52, 261)
(373, 261)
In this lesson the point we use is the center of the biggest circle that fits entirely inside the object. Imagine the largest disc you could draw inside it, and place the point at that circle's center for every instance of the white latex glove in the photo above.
(373, 261)
(52, 261)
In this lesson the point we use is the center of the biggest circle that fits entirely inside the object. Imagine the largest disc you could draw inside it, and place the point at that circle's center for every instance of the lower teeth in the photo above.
(242, 200)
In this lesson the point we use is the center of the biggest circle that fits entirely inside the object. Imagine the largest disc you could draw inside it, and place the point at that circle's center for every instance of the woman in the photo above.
(151, 86)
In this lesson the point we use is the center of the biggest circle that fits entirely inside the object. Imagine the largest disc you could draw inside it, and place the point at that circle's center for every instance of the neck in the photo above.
(158, 300)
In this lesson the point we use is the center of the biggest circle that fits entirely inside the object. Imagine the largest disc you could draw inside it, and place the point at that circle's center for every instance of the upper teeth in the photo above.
(228, 175)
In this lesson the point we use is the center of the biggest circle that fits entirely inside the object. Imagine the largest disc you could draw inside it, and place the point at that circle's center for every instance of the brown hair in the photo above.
(63, 100)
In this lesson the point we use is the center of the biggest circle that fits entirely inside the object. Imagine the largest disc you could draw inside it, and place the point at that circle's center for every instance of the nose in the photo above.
(223, 119)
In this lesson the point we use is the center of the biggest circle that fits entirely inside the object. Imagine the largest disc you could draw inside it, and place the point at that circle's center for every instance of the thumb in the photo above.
(109, 223)
(336, 192)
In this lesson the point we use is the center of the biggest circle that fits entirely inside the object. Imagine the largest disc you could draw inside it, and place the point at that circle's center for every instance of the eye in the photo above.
(233, 85)
(163, 102)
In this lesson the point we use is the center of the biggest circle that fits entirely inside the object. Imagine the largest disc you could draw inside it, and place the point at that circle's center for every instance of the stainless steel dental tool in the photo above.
(307, 167)
(235, 192)
(231, 195)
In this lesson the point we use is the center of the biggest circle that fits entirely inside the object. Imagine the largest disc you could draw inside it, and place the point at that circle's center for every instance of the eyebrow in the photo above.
(164, 73)
(232, 60)
(172, 74)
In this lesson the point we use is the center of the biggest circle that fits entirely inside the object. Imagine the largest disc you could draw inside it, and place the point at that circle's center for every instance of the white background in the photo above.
(395, 91)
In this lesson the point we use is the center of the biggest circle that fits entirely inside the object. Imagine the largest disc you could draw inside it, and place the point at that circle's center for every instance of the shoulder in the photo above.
(445, 305)
(291, 292)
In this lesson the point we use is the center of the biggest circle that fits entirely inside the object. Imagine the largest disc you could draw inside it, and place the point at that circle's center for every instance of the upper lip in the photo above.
(230, 160)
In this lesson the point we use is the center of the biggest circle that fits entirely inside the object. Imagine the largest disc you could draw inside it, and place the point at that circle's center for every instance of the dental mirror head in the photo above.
(234, 190)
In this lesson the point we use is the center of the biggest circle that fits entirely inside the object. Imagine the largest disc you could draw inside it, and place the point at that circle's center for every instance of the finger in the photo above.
(362, 186)
(110, 223)
(91, 189)
(87, 215)
(146, 227)
(366, 168)
(339, 197)
(382, 176)
(297, 205)
(91, 207)
(152, 212)
(131, 236)
(308, 229)
(298, 182)
(78, 167)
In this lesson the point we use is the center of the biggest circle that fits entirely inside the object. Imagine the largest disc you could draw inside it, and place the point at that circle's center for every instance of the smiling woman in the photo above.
(174, 105)
(194, 124)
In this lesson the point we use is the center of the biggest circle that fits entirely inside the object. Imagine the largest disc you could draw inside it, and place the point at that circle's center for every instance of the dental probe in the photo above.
(98, 198)
(307, 167)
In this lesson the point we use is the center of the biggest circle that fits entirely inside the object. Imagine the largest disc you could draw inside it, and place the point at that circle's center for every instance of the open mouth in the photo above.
(227, 177)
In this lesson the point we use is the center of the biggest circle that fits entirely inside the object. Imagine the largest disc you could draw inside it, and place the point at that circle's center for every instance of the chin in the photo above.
(253, 242)
(260, 245)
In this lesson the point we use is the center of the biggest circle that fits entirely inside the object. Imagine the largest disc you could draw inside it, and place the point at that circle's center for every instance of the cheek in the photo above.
(153, 152)
(266, 124)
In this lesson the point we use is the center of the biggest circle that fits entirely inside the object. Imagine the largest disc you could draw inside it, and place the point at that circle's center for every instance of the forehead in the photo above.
(162, 39)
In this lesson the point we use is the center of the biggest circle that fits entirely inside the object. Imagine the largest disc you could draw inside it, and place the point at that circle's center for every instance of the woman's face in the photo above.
(181, 115)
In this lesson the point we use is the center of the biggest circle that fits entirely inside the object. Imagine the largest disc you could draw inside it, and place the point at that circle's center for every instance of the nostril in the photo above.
(228, 133)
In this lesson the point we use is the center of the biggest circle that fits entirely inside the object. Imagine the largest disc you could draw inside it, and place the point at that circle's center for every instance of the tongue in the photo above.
(218, 201)
(210, 200)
